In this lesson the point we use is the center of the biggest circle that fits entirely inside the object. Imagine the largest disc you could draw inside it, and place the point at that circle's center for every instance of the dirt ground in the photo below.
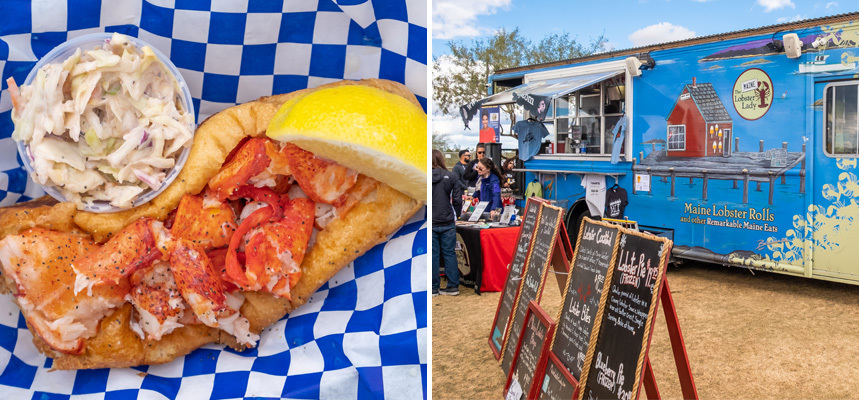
(748, 336)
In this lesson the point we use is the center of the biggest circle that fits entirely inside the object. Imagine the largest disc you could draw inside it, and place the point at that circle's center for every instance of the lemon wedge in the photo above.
(376, 133)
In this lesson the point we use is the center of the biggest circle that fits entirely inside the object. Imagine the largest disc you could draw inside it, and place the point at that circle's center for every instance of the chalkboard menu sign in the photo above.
(557, 381)
(538, 327)
(615, 365)
(592, 264)
(514, 275)
(533, 278)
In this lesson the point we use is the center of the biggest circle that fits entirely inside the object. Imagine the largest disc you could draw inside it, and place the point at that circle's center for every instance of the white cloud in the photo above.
(447, 66)
(659, 33)
(771, 5)
(791, 19)
(831, 4)
(608, 46)
(455, 18)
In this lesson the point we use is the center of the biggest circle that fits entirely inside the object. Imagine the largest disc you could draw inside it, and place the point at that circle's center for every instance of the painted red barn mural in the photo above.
(698, 124)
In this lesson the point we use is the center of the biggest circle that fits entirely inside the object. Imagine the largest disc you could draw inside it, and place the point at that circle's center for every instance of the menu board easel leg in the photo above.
(650, 388)
(681, 359)
(561, 262)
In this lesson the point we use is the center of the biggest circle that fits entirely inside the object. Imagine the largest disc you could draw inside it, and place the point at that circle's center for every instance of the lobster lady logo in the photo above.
(753, 94)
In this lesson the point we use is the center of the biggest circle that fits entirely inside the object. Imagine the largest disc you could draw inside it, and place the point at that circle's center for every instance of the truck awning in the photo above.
(552, 88)
(529, 94)
(526, 94)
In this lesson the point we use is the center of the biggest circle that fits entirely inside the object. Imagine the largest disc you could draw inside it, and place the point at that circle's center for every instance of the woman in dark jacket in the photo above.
(446, 206)
(489, 185)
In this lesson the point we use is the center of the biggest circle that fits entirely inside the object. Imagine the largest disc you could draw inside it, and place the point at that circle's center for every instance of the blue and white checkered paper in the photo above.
(362, 335)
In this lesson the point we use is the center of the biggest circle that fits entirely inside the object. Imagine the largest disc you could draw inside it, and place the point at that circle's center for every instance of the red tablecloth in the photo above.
(497, 245)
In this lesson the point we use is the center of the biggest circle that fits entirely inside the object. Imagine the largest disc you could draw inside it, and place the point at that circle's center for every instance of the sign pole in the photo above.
(678, 348)
(650, 388)
(681, 359)
(561, 259)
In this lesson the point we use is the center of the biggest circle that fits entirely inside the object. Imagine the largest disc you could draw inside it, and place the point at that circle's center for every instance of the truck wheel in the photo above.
(573, 222)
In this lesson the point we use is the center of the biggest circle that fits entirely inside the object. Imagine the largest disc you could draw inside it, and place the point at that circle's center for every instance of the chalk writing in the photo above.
(582, 295)
(612, 370)
(514, 275)
(533, 277)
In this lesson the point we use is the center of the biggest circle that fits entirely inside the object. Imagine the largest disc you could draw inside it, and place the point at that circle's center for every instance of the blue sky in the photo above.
(625, 24)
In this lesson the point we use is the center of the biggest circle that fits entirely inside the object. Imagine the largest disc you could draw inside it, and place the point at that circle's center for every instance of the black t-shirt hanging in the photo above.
(615, 202)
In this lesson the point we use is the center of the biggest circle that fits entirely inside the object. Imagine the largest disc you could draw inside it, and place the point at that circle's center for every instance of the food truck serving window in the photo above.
(583, 120)
(841, 125)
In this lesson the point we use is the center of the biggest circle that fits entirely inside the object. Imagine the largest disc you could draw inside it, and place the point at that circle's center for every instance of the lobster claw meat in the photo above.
(198, 282)
(157, 301)
(135, 247)
(204, 221)
(247, 280)
(249, 161)
(322, 180)
(277, 248)
(263, 195)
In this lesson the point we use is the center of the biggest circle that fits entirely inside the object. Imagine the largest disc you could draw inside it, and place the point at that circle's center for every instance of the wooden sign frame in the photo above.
(603, 292)
(544, 268)
(565, 373)
(648, 325)
(510, 278)
(561, 258)
(534, 310)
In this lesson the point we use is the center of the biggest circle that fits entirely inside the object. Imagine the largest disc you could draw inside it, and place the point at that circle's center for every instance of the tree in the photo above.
(562, 47)
(440, 143)
(463, 75)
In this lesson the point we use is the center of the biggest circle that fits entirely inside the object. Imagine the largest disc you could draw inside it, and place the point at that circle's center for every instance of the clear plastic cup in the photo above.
(89, 42)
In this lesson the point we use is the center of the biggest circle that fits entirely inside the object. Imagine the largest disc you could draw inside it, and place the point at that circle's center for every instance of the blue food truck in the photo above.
(741, 146)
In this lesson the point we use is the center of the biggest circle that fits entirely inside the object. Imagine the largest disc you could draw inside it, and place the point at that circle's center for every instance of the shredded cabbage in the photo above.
(103, 125)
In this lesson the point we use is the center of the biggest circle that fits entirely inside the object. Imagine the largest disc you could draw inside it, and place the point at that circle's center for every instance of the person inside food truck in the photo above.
(489, 186)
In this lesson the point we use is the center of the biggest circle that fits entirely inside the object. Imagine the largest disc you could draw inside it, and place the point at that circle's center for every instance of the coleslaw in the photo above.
(105, 125)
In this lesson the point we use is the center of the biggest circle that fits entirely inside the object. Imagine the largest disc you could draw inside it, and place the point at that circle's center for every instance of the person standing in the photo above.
(470, 174)
(459, 167)
(446, 206)
(490, 185)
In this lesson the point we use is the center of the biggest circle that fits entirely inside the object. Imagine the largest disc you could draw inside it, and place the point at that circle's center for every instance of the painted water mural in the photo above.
(828, 227)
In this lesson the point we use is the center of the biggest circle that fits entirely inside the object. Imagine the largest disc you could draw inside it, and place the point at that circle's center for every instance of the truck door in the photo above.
(832, 219)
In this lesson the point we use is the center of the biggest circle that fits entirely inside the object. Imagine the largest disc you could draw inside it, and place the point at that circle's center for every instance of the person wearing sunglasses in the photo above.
(470, 175)
(489, 185)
